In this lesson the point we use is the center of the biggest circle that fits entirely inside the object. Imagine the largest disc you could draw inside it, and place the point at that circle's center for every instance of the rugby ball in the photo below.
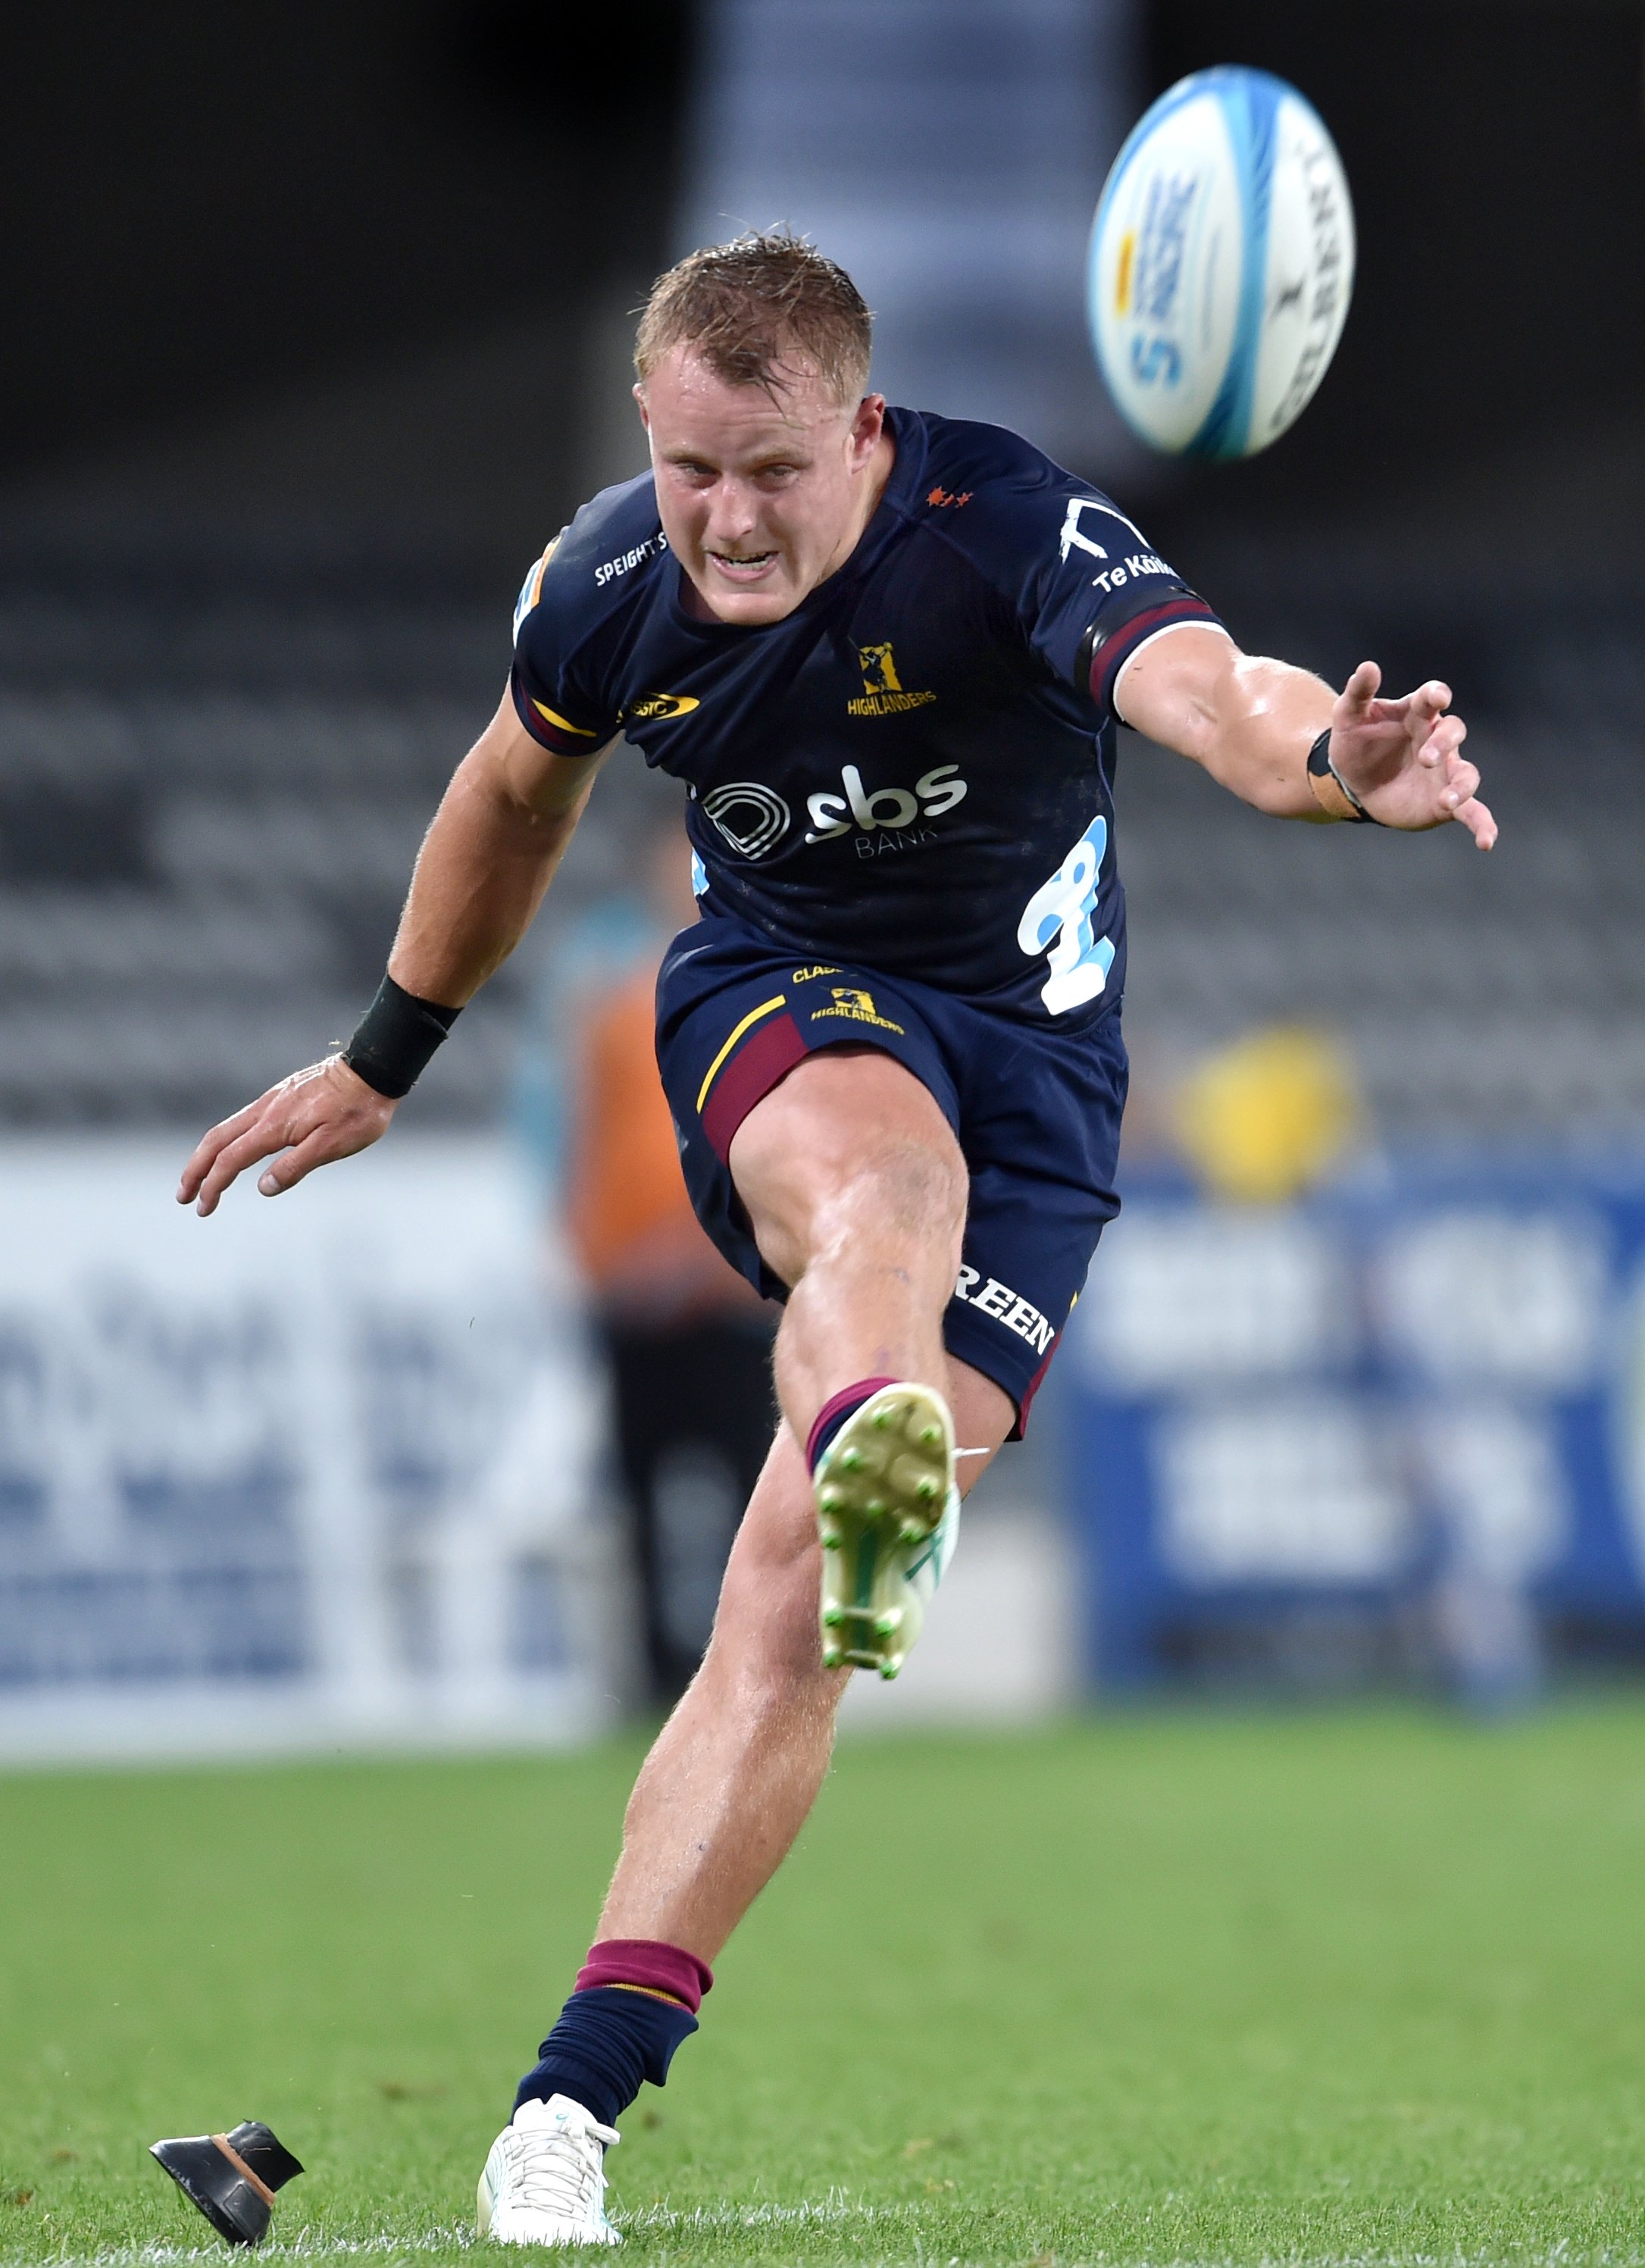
(1220, 264)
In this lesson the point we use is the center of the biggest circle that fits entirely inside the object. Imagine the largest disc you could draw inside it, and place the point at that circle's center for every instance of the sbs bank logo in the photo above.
(934, 793)
(751, 818)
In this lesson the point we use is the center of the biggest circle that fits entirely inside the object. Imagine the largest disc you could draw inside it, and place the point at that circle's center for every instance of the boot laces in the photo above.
(558, 2169)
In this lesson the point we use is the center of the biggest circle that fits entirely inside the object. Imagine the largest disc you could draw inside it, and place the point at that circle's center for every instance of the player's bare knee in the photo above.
(890, 1193)
(898, 1191)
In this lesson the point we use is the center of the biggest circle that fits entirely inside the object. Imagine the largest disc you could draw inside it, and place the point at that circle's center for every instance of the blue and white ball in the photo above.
(1221, 264)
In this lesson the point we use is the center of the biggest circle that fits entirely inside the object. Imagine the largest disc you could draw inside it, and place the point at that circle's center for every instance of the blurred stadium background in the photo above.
(320, 321)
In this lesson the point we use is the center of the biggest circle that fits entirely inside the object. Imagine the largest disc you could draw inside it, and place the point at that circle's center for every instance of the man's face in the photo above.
(761, 496)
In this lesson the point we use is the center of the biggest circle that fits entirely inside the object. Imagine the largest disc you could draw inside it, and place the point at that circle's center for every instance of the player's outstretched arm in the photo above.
(1252, 724)
(501, 829)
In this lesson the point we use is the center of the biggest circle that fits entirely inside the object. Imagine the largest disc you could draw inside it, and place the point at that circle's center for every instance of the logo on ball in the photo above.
(1220, 264)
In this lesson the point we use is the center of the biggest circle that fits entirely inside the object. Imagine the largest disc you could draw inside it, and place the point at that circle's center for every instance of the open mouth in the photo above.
(747, 570)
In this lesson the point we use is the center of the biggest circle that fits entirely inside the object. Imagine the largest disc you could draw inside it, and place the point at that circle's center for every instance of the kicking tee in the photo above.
(913, 770)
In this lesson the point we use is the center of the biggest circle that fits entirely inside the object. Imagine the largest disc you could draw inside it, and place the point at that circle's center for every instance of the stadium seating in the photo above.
(213, 781)
(215, 771)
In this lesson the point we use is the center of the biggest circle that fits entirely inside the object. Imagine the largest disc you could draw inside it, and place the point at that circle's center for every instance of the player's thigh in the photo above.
(847, 1127)
(767, 1622)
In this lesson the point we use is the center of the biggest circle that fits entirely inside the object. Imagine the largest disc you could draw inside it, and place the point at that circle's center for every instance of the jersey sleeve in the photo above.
(1100, 594)
(556, 707)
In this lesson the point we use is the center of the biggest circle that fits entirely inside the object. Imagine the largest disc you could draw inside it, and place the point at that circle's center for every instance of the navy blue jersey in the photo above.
(913, 772)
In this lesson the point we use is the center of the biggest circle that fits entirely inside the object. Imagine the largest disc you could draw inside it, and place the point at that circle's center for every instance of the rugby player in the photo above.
(886, 653)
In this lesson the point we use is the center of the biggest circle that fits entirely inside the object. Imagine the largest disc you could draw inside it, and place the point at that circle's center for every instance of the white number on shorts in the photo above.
(1059, 915)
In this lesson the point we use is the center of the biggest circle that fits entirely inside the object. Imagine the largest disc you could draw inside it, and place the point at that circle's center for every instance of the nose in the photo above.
(733, 513)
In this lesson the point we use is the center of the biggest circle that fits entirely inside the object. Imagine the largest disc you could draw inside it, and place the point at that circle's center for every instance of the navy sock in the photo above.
(608, 2039)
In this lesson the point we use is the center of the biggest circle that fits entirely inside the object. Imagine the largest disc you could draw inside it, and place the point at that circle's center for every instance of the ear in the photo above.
(866, 428)
(645, 415)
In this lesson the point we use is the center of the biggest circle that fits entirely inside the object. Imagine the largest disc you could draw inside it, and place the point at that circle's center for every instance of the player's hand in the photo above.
(316, 1115)
(1404, 758)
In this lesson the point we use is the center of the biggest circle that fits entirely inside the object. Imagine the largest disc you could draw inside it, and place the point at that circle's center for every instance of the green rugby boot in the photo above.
(888, 1512)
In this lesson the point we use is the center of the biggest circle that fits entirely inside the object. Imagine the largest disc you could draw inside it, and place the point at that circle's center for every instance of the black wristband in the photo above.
(1320, 765)
(394, 1039)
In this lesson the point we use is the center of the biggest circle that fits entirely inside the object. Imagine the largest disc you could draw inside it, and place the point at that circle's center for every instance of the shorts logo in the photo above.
(751, 817)
(656, 707)
(1007, 1307)
(858, 1006)
(882, 694)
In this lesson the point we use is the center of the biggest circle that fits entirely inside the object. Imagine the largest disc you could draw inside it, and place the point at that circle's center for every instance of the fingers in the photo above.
(1476, 817)
(316, 1149)
(1462, 782)
(267, 1133)
(209, 1146)
(1417, 710)
(1354, 701)
(325, 1112)
(1439, 747)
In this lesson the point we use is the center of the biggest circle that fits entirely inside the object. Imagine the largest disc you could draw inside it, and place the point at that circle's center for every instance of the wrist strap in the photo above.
(396, 1038)
(1320, 767)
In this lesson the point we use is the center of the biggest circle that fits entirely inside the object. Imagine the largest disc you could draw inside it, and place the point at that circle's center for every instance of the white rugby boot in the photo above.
(544, 2177)
(888, 1513)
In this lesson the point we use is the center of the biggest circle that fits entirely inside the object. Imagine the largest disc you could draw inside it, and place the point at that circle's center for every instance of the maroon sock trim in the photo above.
(648, 1966)
(834, 1412)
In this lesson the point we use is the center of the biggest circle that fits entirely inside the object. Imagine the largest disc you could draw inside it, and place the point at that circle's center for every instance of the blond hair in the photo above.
(759, 311)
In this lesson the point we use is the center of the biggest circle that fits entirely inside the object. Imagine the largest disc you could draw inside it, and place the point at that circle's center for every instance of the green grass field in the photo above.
(1158, 1989)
